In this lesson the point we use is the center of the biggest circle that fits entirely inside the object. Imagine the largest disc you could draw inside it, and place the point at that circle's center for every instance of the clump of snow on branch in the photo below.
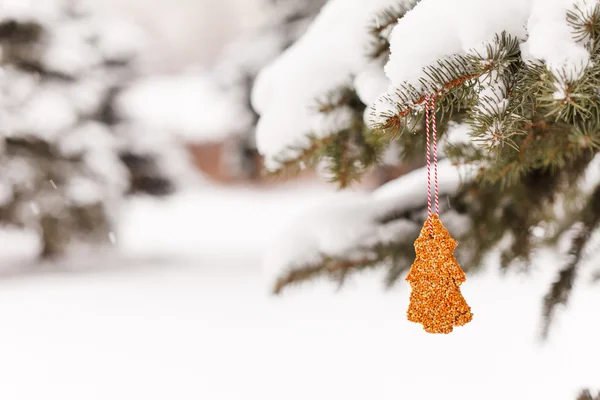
(344, 226)
(551, 38)
(323, 60)
(435, 29)
(370, 83)
(465, 26)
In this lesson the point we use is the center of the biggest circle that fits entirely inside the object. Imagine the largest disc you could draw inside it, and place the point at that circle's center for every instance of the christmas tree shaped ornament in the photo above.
(435, 276)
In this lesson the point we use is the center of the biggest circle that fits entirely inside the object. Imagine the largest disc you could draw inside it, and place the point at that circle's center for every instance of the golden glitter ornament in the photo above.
(435, 276)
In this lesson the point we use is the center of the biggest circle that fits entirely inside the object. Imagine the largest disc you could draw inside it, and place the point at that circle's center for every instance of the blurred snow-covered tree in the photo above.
(66, 157)
(210, 108)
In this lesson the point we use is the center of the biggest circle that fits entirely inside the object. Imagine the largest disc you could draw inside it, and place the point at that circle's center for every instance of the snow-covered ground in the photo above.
(189, 316)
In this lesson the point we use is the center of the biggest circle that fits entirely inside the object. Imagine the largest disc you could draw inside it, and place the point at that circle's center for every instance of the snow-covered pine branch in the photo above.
(465, 42)
(523, 75)
(290, 93)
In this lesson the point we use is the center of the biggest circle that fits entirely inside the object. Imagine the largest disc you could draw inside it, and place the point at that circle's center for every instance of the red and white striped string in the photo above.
(431, 130)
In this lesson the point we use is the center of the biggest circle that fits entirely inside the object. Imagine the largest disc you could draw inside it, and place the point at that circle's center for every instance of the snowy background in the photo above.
(182, 310)
(184, 32)
(185, 313)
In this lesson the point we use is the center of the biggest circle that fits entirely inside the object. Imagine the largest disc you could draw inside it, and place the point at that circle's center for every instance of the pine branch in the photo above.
(409, 102)
(570, 100)
(512, 209)
(341, 169)
(347, 153)
(306, 157)
(571, 94)
(396, 254)
(351, 155)
(328, 267)
(381, 26)
(334, 100)
(452, 80)
(309, 156)
(347, 156)
(494, 214)
(585, 23)
(560, 290)
(339, 268)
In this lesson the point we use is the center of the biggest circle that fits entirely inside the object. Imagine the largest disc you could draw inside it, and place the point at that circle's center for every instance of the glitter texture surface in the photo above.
(435, 277)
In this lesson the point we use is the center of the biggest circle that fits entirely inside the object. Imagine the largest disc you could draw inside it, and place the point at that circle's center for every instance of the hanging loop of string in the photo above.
(431, 130)
(435, 155)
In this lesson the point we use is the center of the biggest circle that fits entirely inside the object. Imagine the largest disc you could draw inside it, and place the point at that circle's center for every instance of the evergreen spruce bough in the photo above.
(531, 146)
